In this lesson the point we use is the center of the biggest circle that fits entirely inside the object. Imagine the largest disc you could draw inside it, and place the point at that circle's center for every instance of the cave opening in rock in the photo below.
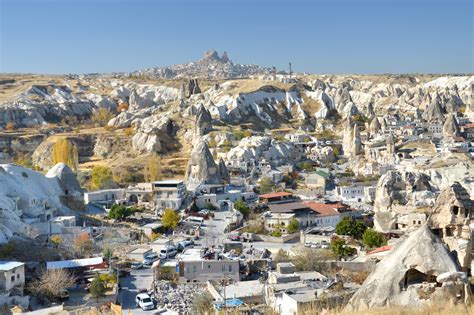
(413, 276)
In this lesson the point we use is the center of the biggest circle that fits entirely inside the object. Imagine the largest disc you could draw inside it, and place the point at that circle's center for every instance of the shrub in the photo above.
(266, 185)
(338, 247)
(276, 233)
(122, 107)
(238, 135)
(120, 212)
(129, 132)
(293, 226)
(10, 126)
(202, 303)
(247, 133)
(102, 117)
(209, 206)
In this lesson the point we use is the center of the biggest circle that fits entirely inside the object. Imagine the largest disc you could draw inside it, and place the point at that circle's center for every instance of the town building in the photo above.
(12, 277)
(317, 179)
(105, 196)
(192, 267)
(356, 193)
(308, 214)
(276, 197)
(169, 194)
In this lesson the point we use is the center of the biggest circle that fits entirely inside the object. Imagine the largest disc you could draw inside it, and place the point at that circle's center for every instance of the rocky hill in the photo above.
(210, 66)
(119, 120)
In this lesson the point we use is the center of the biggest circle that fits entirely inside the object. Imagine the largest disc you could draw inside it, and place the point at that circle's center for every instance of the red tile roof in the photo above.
(469, 125)
(275, 195)
(326, 209)
(380, 249)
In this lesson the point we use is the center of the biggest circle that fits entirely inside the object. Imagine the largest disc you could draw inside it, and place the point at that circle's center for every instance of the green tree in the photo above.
(339, 248)
(97, 287)
(293, 226)
(170, 218)
(372, 238)
(351, 227)
(120, 212)
(242, 207)
(101, 177)
(107, 253)
(266, 185)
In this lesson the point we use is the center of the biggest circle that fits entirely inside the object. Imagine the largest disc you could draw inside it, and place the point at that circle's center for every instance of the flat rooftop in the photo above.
(243, 289)
(9, 265)
(168, 182)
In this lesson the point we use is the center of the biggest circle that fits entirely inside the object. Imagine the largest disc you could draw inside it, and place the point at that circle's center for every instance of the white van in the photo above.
(168, 252)
(195, 220)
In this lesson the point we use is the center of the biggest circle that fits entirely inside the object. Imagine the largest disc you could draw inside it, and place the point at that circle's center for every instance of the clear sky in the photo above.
(318, 36)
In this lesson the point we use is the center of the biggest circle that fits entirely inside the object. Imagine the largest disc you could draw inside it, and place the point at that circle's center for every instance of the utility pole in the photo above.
(290, 69)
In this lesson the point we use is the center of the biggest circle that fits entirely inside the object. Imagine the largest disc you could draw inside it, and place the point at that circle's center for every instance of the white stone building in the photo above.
(12, 277)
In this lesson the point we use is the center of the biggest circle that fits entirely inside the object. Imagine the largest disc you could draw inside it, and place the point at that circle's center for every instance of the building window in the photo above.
(13, 278)
(230, 268)
(18, 276)
(194, 269)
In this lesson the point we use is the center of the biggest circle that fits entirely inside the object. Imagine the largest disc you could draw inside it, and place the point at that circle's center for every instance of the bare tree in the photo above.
(83, 244)
(51, 283)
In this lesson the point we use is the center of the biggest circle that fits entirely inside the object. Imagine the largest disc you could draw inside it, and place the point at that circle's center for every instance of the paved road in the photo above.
(138, 279)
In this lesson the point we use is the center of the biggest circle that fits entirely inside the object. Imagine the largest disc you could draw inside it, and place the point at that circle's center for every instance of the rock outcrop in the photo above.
(193, 87)
(435, 111)
(203, 121)
(418, 271)
(450, 127)
(149, 131)
(398, 195)
(26, 194)
(450, 219)
(202, 168)
(352, 144)
(223, 172)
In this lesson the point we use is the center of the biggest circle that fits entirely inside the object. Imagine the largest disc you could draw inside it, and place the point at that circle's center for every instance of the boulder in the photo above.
(407, 276)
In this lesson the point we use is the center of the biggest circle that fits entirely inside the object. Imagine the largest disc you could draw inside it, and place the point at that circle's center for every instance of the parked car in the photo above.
(121, 272)
(63, 295)
(144, 302)
(184, 244)
(150, 259)
(136, 265)
(168, 252)
(235, 237)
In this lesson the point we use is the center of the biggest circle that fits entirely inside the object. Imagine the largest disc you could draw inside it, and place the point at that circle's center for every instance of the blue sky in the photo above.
(327, 36)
